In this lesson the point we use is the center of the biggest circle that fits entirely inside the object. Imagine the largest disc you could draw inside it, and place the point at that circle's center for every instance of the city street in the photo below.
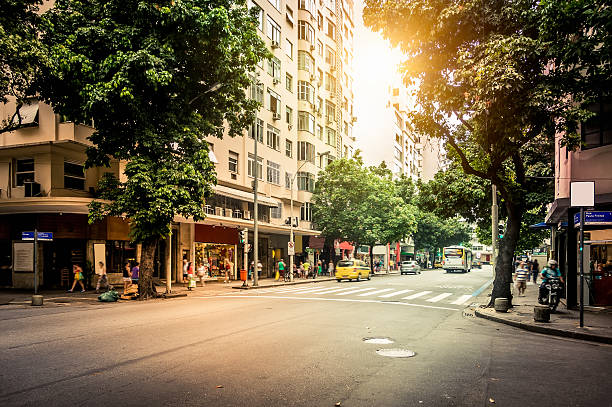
(296, 345)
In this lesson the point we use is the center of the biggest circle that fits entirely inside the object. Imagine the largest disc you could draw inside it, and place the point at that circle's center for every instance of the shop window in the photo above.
(74, 176)
(24, 171)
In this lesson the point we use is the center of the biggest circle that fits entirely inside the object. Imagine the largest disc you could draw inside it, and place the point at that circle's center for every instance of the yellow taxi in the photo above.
(352, 270)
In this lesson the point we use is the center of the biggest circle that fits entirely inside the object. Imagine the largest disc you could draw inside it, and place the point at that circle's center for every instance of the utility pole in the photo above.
(494, 225)
(255, 210)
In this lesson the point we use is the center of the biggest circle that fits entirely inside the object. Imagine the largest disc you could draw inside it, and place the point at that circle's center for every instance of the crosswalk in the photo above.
(368, 294)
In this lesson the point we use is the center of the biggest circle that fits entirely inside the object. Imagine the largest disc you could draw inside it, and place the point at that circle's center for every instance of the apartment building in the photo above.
(305, 122)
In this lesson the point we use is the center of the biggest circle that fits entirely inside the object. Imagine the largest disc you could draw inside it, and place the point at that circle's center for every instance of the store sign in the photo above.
(23, 257)
(594, 218)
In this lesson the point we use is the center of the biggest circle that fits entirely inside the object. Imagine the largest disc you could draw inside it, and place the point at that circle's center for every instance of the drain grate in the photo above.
(379, 341)
(396, 353)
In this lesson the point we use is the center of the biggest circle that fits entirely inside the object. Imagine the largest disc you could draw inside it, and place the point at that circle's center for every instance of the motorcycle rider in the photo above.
(551, 271)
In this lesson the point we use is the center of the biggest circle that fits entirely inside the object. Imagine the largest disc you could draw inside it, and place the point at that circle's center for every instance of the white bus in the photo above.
(456, 258)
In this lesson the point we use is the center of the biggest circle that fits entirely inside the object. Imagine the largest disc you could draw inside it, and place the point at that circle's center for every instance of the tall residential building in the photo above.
(305, 121)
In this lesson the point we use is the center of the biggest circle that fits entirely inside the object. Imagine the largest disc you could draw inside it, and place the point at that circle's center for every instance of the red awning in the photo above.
(346, 246)
(216, 234)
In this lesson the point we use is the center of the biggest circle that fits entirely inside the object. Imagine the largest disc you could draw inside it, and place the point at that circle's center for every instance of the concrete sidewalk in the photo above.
(564, 322)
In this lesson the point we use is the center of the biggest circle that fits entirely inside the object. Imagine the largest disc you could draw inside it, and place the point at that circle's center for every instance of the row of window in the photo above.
(74, 173)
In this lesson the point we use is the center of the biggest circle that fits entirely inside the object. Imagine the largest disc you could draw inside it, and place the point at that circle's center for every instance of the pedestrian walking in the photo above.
(259, 269)
(301, 270)
(78, 277)
(521, 277)
(127, 276)
(281, 269)
(228, 267)
(201, 272)
(135, 272)
(102, 277)
(535, 270)
(330, 268)
(185, 269)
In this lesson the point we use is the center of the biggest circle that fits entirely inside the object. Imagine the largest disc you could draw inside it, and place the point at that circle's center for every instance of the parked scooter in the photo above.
(554, 289)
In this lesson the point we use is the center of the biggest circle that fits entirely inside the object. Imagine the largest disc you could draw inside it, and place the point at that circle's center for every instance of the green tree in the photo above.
(156, 78)
(487, 86)
(21, 56)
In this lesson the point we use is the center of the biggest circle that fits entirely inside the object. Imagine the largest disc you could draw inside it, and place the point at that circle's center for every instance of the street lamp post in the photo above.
(291, 256)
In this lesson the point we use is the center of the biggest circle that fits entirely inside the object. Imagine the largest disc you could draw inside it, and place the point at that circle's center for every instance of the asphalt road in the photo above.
(294, 347)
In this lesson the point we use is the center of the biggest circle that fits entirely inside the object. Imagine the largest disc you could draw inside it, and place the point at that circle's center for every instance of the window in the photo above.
(277, 212)
(289, 15)
(330, 83)
(232, 162)
(305, 32)
(308, 5)
(306, 91)
(306, 151)
(320, 132)
(273, 174)
(288, 178)
(289, 115)
(275, 3)
(330, 56)
(289, 148)
(273, 138)
(260, 16)
(330, 29)
(257, 129)
(306, 122)
(319, 48)
(274, 68)
(306, 212)
(24, 171)
(305, 61)
(256, 90)
(324, 160)
(289, 48)
(274, 31)
(597, 131)
(74, 176)
(330, 111)
(345, 129)
(320, 76)
(251, 166)
(330, 138)
(320, 21)
(289, 82)
(305, 182)
(274, 102)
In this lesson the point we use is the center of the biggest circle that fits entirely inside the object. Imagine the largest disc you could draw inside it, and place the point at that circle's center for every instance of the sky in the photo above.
(375, 64)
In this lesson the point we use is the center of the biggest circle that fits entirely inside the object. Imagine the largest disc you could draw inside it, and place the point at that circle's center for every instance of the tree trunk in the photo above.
(146, 289)
(504, 265)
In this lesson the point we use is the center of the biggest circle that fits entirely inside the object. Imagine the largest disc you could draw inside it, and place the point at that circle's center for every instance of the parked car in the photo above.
(477, 264)
(352, 270)
(437, 265)
(410, 266)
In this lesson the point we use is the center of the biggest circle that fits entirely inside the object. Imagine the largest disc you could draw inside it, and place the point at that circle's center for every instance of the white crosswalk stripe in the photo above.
(312, 290)
(395, 293)
(439, 297)
(375, 292)
(417, 295)
(332, 290)
(462, 299)
(357, 291)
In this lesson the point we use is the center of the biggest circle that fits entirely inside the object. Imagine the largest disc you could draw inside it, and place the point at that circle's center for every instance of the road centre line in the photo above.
(439, 297)
(462, 299)
(356, 291)
(417, 295)
(335, 299)
(375, 292)
(394, 293)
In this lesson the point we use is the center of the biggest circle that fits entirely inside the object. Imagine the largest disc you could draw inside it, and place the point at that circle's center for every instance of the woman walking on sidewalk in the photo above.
(127, 276)
(78, 276)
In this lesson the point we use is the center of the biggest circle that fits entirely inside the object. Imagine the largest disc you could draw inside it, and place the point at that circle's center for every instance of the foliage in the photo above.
(21, 55)
(156, 79)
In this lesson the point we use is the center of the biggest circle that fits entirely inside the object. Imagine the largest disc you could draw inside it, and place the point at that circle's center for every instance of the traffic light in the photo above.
(244, 234)
(500, 230)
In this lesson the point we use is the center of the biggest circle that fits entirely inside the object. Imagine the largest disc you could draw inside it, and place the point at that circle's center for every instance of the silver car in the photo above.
(410, 266)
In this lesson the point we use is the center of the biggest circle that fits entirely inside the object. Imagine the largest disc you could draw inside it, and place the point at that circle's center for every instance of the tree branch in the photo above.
(465, 164)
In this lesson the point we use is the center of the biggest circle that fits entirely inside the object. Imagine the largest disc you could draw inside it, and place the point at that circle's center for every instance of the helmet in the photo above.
(552, 263)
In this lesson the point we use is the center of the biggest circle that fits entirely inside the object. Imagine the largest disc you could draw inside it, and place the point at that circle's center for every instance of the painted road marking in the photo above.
(417, 295)
(357, 291)
(407, 304)
(375, 292)
(394, 293)
(311, 290)
(439, 297)
(332, 290)
(462, 299)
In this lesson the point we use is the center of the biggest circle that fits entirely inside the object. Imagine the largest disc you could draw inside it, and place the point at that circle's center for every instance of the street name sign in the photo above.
(42, 236)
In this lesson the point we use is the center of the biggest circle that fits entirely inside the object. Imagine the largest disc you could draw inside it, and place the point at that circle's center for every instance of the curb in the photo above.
(315, 280)
(546, 330)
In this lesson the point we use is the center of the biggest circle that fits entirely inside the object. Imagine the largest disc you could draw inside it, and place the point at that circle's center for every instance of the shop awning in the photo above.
(244, 196)
(45, 204)
(345, 246)
(541, 225)
(316, 242)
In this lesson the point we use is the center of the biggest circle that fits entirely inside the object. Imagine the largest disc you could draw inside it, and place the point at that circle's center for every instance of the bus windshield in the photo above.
(453, 252)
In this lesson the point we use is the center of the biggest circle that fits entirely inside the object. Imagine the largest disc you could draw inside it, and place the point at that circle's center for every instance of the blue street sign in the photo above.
(43, 236)
(594, 218)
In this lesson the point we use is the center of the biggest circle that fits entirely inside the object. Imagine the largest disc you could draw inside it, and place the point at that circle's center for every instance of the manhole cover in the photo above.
(396, 353)
(378, 341)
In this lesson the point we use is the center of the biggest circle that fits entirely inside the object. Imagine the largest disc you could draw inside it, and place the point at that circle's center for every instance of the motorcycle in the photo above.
(554, 288)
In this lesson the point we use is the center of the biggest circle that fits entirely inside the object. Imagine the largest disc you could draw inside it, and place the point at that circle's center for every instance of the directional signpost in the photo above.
(36, 236)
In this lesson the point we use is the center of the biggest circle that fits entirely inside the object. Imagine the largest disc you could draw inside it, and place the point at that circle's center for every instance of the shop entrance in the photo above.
(213, 257)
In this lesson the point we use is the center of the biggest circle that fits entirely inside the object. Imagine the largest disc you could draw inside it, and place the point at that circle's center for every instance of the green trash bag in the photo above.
(109, 296)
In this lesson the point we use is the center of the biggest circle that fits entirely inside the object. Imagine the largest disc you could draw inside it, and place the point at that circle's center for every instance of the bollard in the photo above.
(37, 300)
(501, 305)
(541, 313)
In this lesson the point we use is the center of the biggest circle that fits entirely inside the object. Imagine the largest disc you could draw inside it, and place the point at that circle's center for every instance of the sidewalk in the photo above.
(564, 322)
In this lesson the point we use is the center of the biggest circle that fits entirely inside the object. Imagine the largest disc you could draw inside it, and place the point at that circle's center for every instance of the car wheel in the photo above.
(339, 280)
(369, 277)
(358, 277)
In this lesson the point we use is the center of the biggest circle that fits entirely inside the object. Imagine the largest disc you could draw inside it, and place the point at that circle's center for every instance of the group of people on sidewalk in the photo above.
(527, 269)
(131, 272)
(303, 270)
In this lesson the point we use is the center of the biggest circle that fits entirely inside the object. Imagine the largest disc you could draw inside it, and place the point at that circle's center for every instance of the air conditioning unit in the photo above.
(276, 116)
(276, 81)
(290, 126)
(233, 176)
(312, 47)
(218, 211)
(228, 212)
(31, 189)
(312, 77)
(247, 215)
(275, 44)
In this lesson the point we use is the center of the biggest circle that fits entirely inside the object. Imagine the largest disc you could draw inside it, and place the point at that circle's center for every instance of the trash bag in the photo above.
(109, 296)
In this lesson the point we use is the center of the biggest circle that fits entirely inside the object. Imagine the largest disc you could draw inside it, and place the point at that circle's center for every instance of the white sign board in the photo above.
(582, 194)
(100, 256)
(23, 257)
(291, 249)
